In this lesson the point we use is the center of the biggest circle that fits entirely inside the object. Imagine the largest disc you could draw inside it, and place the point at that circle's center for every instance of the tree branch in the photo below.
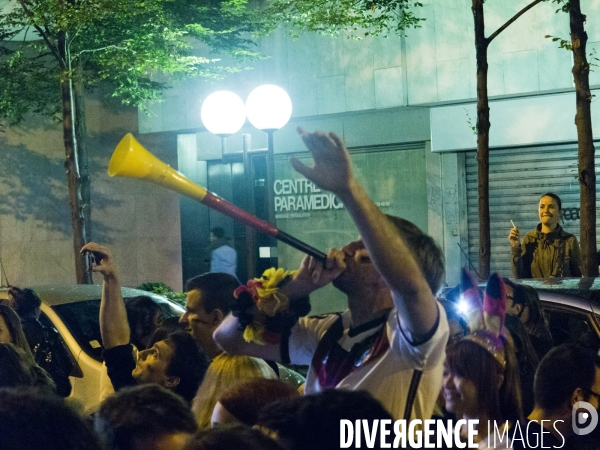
(512, 19)
(45, 36)
(94, 50)
(42, 55)
(25, 35)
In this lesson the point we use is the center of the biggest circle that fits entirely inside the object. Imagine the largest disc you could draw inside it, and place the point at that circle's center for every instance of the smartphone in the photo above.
(93, 259)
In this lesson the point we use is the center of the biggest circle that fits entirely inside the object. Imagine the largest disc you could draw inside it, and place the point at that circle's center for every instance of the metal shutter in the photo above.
(518, 178)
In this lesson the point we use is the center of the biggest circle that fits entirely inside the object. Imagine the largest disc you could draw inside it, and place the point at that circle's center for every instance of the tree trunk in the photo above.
(72, 166)
(483, 140)
(585, 141)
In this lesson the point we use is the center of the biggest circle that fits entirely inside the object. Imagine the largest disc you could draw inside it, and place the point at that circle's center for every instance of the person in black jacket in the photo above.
(523, 302)
(176, 363)
(46, 345)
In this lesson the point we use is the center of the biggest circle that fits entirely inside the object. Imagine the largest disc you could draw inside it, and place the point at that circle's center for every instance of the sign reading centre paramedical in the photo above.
(295, 198)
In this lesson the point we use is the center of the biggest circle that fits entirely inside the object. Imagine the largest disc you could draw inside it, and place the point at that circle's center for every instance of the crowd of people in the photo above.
(219, 378)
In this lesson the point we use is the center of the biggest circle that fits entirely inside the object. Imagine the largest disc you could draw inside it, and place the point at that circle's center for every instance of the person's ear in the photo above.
(518, 307)
(171, 381)
(216, 317)
(577, 396)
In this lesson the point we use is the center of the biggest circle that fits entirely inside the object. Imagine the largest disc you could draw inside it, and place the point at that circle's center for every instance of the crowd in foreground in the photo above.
(217, 379)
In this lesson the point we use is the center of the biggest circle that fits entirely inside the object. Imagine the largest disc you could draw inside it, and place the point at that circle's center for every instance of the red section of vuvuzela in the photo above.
(214, 201)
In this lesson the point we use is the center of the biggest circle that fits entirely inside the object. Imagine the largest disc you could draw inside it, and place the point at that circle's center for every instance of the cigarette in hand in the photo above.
(513, 224)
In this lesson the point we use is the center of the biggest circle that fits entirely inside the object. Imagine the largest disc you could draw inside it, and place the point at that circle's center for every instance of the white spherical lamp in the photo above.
(223, 113)
(268, 107)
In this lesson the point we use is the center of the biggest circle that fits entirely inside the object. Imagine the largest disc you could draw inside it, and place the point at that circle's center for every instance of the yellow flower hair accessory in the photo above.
(263, 310)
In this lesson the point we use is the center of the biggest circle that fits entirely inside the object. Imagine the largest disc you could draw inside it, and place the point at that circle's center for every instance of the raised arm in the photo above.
(229, 337)
(389, 252)
(312, 275)
(114, 327)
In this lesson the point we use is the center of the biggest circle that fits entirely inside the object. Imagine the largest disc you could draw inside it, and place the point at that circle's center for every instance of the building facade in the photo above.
(405, 107)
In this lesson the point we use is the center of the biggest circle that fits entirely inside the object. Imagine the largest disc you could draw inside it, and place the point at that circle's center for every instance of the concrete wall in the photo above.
(441, 55)
(378, 91)
(139, 221)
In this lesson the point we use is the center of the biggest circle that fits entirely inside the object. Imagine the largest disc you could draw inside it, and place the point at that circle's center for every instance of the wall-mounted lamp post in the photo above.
(223, 113)
(269, 108)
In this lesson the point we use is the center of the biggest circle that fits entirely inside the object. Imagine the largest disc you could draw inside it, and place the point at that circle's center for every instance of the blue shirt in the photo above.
(224, 259)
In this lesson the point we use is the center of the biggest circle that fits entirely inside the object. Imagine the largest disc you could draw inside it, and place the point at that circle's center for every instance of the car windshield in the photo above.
(81, 318)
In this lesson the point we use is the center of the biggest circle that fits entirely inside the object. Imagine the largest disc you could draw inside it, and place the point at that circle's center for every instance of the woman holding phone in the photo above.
(546, 251)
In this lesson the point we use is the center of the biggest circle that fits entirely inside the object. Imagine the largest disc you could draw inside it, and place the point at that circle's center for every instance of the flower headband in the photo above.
(263, 311)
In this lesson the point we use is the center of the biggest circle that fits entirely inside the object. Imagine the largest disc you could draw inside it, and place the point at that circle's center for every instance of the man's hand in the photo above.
(313, 275)
(332, 169)
(106, 266)
(513, 237)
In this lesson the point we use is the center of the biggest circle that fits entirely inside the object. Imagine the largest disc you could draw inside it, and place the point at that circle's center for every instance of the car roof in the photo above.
(579, 284)
(577, 292)
(60, 294)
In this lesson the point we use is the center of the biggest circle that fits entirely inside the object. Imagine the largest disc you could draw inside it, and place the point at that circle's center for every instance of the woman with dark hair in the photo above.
(168, 326)
(144, 317)
(479, 385)
(535, 322)
(13, 370)
(11, 332)
(527, 359)
(481, 376)
(523, 303)
(458, 330)
(548, 250)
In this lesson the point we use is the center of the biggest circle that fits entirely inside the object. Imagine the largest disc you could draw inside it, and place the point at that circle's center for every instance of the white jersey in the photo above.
(383, 363)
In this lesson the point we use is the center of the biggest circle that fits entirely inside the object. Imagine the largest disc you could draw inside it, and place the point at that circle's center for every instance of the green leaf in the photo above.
(125, 44)
(358, 18)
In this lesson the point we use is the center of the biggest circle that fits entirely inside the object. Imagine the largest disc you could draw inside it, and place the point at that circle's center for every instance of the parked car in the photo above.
(570, 305)
(572, 308)
(74, 311)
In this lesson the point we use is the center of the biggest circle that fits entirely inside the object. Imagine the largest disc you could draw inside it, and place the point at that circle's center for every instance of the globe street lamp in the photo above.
(223, 113)
(269, 108)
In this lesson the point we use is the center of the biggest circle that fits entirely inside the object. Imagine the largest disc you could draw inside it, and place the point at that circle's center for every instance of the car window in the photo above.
(571, 327)
(67, 358)
(82, 320)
